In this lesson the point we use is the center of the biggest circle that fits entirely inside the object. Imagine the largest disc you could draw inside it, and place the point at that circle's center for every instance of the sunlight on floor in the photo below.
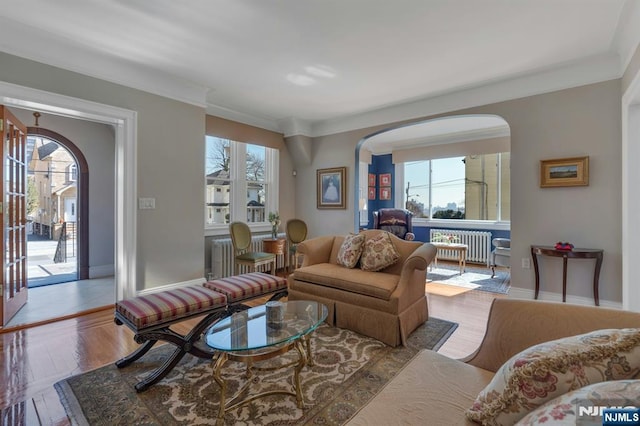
(445, 289)
(58, 300)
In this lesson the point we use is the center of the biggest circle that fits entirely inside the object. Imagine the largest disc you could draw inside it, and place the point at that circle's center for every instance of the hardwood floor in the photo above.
(33, 359)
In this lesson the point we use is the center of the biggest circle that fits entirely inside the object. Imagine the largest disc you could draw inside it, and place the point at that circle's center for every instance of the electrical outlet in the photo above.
(526, 263)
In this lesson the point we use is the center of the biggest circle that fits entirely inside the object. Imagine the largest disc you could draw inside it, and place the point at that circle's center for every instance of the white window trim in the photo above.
(238, 197)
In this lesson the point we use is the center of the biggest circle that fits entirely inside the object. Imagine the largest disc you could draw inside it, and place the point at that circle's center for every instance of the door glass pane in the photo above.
(218, 179)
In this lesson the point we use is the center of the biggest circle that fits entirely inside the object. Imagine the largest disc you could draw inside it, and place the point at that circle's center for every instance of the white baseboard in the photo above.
(523, 293)
(197, 281)
(102, 271)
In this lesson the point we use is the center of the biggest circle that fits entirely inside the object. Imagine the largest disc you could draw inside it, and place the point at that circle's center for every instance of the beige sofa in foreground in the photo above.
(436, 390)
(386, 305)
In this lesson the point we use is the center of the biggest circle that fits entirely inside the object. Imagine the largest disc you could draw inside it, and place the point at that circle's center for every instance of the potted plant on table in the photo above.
(444, 238)
(274, 220)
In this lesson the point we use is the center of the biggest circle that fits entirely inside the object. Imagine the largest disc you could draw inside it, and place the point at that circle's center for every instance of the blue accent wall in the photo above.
(380, 164)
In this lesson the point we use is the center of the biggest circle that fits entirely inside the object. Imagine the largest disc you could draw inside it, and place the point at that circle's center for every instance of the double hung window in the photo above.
(241, 182)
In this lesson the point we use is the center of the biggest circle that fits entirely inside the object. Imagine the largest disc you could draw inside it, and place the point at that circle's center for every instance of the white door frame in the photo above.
(630, 198)
(125, 124)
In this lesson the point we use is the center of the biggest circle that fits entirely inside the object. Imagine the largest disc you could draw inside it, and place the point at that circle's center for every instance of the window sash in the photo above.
(237, 190)
(499, 161)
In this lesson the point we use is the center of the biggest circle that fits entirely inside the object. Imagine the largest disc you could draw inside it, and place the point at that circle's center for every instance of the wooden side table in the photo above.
(275, 246)
(576, 253)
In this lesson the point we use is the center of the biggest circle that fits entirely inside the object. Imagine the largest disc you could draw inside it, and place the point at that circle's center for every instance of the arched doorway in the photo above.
(63, 212)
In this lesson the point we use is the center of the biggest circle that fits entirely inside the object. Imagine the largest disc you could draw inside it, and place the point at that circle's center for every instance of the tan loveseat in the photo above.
(436, 390)
(386, 305)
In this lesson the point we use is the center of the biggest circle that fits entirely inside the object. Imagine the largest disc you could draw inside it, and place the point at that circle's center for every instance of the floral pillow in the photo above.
(350, 250)
(543, 372)
(378, 253)
(564, 410)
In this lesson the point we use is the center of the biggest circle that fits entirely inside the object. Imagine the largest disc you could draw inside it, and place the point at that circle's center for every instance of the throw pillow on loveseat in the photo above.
(545, 371)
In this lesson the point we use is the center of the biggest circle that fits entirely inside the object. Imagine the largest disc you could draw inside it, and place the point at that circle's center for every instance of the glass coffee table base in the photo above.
(249, 358)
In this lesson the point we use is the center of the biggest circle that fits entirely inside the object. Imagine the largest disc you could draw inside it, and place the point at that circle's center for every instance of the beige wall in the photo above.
(566, 123)
(170, 155)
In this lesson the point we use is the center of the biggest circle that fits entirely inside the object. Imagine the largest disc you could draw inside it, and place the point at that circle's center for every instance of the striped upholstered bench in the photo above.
(241, 288)
(150, 316)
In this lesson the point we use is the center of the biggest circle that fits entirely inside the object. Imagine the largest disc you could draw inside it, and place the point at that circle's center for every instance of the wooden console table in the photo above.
(576, 253)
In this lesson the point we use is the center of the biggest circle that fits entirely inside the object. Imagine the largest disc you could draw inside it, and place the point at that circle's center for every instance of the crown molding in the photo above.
(293, 126)
(241, 117)
(112, 69)
(627, 37)
(592, 70)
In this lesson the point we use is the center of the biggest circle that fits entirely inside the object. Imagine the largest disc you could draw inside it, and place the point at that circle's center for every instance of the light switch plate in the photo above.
(146, 203)
(526, 263)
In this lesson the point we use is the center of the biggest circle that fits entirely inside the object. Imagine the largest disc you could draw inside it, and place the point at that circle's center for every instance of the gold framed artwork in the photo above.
(332, 184)
(372, 179)
(372, 193)
(385, 179)
(385, 193)
(559, 172)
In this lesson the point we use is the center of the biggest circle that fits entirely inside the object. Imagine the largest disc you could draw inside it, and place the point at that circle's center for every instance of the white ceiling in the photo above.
(303, 66)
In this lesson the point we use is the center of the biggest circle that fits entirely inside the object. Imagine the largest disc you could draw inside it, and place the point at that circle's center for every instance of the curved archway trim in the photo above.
(83, 192)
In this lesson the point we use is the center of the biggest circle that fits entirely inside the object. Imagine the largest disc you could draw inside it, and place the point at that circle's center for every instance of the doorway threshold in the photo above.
(52, 302)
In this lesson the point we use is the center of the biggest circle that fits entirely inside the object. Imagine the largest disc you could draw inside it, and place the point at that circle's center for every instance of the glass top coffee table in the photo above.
(249, 336)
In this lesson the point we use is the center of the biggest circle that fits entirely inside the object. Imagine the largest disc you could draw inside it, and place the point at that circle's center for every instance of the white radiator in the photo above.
(478, 244)
(222, 255)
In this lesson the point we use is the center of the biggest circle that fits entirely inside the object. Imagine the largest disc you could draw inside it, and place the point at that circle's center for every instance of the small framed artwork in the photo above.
(385, 193)
(372, 193)
(372, 179)
(385, 179)
(332, 184)
(564, 172)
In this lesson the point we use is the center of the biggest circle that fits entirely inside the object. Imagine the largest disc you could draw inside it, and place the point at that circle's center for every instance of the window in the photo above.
(241, 181)
(363, 194)
(473, 187)
(72, 173)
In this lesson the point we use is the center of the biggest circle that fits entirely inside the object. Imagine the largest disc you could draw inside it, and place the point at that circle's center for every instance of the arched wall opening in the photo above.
(454, 135)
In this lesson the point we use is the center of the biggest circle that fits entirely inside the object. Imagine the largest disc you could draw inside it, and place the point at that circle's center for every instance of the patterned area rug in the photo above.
(474, 277)
(349, 370)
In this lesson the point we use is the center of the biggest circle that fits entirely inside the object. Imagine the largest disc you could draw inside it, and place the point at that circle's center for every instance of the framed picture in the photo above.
(372, 193)
(331, 188)
(372, 179)
(385, 193)
(564, 172)
(385, 179)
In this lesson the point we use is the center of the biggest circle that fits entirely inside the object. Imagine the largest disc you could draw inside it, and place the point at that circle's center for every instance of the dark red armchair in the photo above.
(396, 221)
